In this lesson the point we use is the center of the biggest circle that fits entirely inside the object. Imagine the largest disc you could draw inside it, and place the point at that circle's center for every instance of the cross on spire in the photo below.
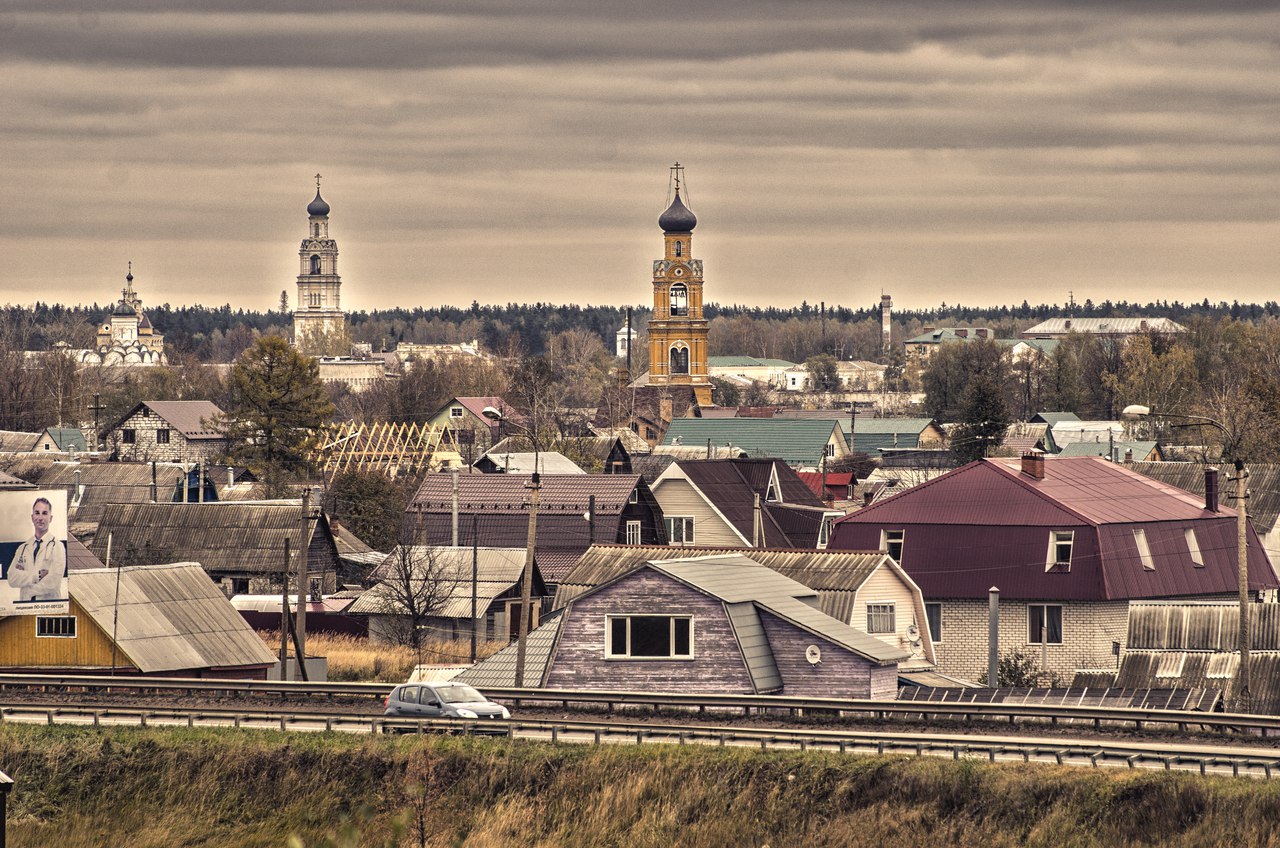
(677, 170)
(317, 183)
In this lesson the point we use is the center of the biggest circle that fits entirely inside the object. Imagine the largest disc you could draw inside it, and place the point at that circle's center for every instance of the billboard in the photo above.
(33, 552)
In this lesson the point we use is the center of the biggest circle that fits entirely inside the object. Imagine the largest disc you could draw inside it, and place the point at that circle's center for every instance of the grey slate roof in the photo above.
(194, 419)
(223, 537)
(795, 441)
(109, 482)
(497, 571)
(499, 670)
(171, 618)
(1141, 449)
(836, 576)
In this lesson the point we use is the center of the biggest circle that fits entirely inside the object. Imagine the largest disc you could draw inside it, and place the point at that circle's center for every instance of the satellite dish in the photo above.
(813, 654)
(913, 634)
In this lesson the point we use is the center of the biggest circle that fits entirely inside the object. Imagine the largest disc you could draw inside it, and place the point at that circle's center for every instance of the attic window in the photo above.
(892, 541)
(56, 626)
(1193, 545)
(771, 493)
(1144, 550)
(656, 637)
(824, 532)
(1060, 544)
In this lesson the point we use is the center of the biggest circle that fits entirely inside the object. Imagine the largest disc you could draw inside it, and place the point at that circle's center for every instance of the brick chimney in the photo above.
(1211, 489)
(1033, 465)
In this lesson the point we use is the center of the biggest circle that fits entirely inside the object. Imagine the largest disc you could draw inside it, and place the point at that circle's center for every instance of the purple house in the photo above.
(722, 623)
(1069, 542)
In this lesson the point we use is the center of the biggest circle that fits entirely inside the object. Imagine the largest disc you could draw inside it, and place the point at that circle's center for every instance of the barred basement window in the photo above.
(880, 618)
(659, 637)
(56, 626)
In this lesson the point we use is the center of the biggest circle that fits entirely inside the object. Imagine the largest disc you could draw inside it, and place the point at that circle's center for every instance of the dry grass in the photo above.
(356, 658)
(79, 788)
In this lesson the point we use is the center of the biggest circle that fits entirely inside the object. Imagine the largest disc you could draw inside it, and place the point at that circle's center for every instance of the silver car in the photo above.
(442, 700)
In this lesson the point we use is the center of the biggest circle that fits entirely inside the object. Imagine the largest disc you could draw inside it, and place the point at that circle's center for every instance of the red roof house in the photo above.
(1067, 541)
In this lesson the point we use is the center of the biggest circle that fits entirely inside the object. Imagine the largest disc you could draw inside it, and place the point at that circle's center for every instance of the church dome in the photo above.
(678, 218)
(123, 309)
(318, 206)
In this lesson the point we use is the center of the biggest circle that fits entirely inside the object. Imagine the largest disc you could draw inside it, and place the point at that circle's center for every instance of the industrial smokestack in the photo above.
(886, 305)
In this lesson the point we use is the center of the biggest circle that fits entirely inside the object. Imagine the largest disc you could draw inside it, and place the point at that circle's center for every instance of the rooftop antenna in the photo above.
(1071, 304)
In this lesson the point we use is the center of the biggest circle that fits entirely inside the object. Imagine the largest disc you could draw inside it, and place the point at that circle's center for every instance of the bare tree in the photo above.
(415, 582)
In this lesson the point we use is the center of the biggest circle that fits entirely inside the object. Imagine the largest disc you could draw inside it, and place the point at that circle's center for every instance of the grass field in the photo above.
(356, 658)
(78, 788)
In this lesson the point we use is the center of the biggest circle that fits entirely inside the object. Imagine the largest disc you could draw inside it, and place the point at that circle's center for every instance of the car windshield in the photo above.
(456, 693)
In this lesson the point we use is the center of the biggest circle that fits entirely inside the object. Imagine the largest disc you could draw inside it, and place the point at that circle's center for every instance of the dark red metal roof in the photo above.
(988, 524)
(732, 484)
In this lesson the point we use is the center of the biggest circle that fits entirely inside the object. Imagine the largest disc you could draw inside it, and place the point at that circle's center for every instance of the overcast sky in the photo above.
(979, 152)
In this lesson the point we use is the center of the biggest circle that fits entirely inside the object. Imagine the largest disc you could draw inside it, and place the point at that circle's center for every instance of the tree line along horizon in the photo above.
(1227, 366)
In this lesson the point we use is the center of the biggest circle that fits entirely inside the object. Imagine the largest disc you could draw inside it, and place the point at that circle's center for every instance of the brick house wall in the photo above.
(717, 664)
(147, 444)
(840, 674)
(1088, 630)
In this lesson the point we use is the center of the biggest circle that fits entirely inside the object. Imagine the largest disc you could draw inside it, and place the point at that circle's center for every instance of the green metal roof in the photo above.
(873, 434)
(794, 441)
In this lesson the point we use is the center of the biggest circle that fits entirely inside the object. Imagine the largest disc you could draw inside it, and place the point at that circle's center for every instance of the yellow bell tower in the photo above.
(677, 330)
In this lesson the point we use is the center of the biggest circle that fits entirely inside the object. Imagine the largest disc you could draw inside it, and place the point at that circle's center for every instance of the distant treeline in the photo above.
(211, 333)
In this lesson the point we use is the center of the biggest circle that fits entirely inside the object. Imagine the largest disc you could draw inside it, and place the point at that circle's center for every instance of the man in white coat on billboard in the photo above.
(40, 563)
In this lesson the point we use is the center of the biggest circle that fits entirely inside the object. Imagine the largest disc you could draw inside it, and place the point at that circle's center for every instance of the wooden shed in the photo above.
(166, 619)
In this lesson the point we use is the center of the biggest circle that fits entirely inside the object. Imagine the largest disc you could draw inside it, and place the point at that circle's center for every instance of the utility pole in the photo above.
(284, 615)
(526, 587)
(475, 580)
(300, 634)
(1243, 695)
(97, 409)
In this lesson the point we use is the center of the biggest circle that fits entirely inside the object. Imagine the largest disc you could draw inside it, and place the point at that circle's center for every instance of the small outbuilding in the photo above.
(169, 620)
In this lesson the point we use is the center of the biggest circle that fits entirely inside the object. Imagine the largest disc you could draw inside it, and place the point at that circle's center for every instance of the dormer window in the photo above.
(1061, 543)
(773, 492)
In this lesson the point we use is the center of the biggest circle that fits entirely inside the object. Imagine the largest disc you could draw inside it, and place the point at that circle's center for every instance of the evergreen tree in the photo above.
(984, 417)
(277, 403)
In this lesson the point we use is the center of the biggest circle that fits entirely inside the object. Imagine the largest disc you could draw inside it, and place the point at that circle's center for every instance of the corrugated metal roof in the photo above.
(1052, 418)
(68, 438)
(8, 481)
(731, 485)
(795, 441)
(987, 524)
(171, 617)
(1264, 485)
(567, 493)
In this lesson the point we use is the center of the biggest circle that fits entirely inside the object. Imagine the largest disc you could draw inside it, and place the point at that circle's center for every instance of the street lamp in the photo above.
(526, 588)
(1135, 412)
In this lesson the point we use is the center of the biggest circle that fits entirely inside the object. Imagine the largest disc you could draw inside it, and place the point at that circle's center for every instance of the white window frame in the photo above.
(68, 624)
(1056, 537)
(1144, 549)
(827, 528)
(687, 528)
(883, 608)
(935, 638)
(1193, 545)
(634, 497)
(901, 542)
(672, 619)
(455, 412)
(633, 533)
(1035, 639)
